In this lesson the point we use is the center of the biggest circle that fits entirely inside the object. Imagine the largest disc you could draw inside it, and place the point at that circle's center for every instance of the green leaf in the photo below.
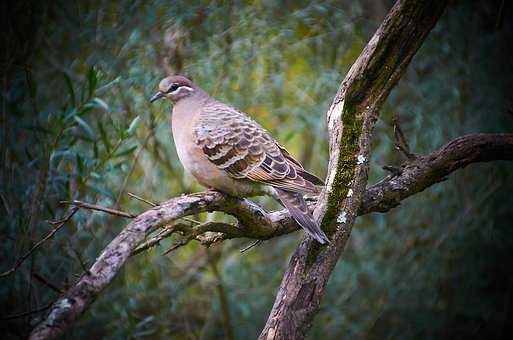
(122, 133)
(133, 125)
(126, 151)
(92, 79)
(85, 109)
(97, 102)
(103, 136)
(85, 126)
(95, 150)
(62, 154)
(108, 85)
(71, 92)
(288, 136)
(95, 175)
(80, 164)
(73, 141)
(83, 90)
(72, 113)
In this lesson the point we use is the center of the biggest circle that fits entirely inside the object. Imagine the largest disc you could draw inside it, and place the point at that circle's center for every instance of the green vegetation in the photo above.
(76, 124)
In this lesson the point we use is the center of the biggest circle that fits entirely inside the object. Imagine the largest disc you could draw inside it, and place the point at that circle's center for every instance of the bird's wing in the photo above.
(241, 147)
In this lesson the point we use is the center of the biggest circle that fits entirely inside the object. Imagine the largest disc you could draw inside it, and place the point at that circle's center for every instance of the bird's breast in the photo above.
(189, 153)
(196, 163)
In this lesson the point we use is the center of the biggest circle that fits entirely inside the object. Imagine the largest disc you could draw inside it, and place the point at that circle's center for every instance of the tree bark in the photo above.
(422, 172)
(414, 177)
(350, 118)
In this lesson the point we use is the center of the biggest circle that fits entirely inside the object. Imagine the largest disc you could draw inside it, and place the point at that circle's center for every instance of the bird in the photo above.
(226, 150)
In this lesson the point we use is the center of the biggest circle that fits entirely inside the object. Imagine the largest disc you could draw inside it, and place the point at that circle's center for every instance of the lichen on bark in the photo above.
(351, 130)
(351, 127)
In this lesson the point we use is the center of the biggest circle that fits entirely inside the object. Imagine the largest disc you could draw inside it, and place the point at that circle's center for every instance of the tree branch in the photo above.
(84, 205)
(77, 299)
(421, 173)
(381, 197)
(57, 226)
(351, 119)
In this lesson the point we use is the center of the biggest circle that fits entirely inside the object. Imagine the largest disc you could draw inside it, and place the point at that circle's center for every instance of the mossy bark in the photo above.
(414, 176)
(351, 119)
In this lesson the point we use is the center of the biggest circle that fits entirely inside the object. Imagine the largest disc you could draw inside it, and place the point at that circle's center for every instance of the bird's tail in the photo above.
(297, 207)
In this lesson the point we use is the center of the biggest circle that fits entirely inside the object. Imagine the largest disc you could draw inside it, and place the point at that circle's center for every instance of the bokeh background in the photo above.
(76, 124)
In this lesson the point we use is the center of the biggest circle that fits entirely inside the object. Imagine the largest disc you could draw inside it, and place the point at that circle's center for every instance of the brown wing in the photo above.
(299, 168)
(241, 147)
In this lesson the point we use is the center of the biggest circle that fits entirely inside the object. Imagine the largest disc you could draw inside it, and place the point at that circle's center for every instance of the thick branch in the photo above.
(421, 173)
(76, 300)
(415, 177)
(351, 119)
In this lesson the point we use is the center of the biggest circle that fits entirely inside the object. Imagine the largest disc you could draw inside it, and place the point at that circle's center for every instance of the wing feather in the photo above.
(241, 147)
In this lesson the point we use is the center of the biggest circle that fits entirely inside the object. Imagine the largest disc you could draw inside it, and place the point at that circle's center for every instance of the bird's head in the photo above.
(174, 88)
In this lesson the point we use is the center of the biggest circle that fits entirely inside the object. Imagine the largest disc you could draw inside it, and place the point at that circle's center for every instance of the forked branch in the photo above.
(350, 119)
(383, 196)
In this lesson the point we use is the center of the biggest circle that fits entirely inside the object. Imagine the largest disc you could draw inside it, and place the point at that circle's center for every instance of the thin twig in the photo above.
(21, 315)
(178, 245)
(80, 260)
(47, 283)
(189, 234)
(401, 143)
(90, 206)
(58, 225)
(154, 241)
(193, 221)
(196, 232)
(192, 235)
(142, 199)
(253, 244)
(132, 167)
(188, 219)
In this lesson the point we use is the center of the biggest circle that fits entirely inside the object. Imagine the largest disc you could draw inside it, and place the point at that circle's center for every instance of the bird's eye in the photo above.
(173, 88)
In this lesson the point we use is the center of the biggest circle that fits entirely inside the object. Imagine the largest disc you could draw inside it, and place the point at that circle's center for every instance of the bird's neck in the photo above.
(188, 109)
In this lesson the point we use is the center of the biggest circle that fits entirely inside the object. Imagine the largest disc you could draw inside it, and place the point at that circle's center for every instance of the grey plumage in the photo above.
(225, 149)
(298, 209)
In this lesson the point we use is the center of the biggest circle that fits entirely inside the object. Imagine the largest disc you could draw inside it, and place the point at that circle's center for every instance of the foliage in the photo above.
(76, 124)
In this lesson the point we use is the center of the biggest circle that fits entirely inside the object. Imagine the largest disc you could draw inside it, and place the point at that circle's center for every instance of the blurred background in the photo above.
(76, 124)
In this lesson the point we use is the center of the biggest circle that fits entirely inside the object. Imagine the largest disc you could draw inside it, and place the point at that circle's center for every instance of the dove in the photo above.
(226, 150)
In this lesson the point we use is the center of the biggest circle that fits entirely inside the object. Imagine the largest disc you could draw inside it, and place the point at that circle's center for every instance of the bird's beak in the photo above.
(157, 96)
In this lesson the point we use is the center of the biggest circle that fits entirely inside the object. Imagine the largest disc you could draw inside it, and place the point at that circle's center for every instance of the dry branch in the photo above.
(77, 299)
(424, 171)
(383, 196)
(89, 206)
(350, 118)
(57, 225)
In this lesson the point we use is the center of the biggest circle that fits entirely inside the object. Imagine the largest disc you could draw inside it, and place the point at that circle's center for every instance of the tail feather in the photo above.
(310, 177)
(297, 207)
